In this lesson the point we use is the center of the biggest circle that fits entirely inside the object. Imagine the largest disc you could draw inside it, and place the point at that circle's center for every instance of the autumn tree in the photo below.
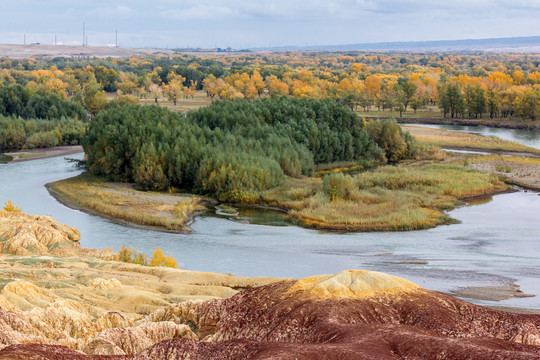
(174, 88)
(277, 87)
(210, 86)
(95, 99)
(155, 91)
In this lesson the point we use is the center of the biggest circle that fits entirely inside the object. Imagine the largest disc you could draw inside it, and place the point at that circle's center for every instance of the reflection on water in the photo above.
(479, 200)
(495, 242)
(525, 137)
(4, 159)
(263, 217)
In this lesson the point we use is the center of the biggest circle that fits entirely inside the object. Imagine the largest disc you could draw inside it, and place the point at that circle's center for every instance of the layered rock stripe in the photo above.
(354, 314)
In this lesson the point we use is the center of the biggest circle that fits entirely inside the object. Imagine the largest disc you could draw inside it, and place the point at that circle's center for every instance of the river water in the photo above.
(525, 137)
(496, 242)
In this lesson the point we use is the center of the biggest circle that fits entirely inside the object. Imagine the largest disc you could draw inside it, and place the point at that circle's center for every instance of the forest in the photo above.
(235, 148)
(38, 120)
(468, 85)
(271, 129)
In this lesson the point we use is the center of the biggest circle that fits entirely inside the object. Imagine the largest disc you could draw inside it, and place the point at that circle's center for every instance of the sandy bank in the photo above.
(36, 154)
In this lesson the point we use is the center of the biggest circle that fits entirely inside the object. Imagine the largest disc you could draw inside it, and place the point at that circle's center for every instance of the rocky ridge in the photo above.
(354, 314)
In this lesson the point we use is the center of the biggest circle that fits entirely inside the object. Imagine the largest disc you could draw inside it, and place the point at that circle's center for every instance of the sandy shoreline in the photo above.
(35, 154)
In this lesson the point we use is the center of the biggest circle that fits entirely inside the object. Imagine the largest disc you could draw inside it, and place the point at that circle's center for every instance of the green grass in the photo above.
(29, 155)
(33, 261)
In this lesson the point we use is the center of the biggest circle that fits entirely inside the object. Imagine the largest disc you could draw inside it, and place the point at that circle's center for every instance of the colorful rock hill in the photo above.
(354, 314)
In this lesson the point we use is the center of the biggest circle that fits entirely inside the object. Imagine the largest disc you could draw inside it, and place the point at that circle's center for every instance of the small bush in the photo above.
(41, 140)
(159, 259)
(338, 186)
(8, 206)
(391, 139)
(132, 256)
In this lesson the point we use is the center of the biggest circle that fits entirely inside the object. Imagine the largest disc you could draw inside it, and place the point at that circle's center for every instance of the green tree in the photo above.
(451, 98)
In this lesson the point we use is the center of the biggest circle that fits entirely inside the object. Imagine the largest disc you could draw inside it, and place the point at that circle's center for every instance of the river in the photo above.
(525, 137)
(496, 242)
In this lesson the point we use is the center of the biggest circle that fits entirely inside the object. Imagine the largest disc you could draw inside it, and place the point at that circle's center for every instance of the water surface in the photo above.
(496, 242)
(525, 137)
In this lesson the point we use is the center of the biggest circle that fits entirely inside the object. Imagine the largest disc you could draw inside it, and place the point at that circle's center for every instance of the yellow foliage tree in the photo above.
(8, 206)
(159, 259)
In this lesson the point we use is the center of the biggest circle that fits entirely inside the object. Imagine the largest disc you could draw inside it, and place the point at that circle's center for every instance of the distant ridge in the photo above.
(51, 51)
(528, 44)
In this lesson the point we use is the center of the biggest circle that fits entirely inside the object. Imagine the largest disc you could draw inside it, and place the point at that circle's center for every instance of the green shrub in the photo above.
(42, 140)
(339, 186)
(391, 139)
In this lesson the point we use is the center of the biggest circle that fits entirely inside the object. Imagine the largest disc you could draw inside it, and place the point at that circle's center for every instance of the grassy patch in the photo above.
(228, 210)
(151, 209)
(29, 155)
(388, 199)
(33, 261)
(183, 105)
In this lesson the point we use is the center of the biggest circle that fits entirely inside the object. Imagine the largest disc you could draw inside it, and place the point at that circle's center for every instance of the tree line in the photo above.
(465, 85)
(233, 149)
(38, 120)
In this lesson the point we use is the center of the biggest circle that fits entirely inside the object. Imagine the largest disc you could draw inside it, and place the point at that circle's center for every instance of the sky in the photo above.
(262, 23)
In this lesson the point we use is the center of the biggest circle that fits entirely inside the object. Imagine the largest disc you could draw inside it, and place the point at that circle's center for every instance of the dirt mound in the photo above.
(80, 307)
(353, 284)
(350, 315)
(25, 234)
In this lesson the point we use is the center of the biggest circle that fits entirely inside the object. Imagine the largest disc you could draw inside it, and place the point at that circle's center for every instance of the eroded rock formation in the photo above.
(58, 302)
(350, 315)
(25, 234)
(55, 293)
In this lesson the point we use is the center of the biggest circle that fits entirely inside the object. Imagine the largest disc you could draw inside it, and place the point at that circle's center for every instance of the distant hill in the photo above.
(51, 51)
(530, 44)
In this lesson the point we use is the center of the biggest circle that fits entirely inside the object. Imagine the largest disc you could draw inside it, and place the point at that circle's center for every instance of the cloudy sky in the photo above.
(261, 23)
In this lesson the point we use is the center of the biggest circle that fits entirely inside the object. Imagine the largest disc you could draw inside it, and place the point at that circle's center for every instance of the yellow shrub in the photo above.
(159, 259)
(8, 206)
(130, 255)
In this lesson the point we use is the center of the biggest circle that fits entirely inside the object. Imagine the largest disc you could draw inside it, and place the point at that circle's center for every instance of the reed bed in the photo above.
(391, 198)
(138, 207)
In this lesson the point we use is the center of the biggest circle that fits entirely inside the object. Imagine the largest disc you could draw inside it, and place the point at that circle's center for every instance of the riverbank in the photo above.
(64, 298)
(514, 163)
(464, 141)
(496, 123)
(122, 203)
(35, 154)
(388, 199)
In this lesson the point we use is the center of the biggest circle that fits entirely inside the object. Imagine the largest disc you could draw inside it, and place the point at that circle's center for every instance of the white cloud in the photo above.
(116, 12)
(262, 22)
(200, 12)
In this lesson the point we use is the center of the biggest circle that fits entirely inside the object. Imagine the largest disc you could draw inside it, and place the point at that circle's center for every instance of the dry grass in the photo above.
(182, 105)
(165, 211)
(431, 112)
(29, 155)
(454, 139)
(388, 199)
(522, 171)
